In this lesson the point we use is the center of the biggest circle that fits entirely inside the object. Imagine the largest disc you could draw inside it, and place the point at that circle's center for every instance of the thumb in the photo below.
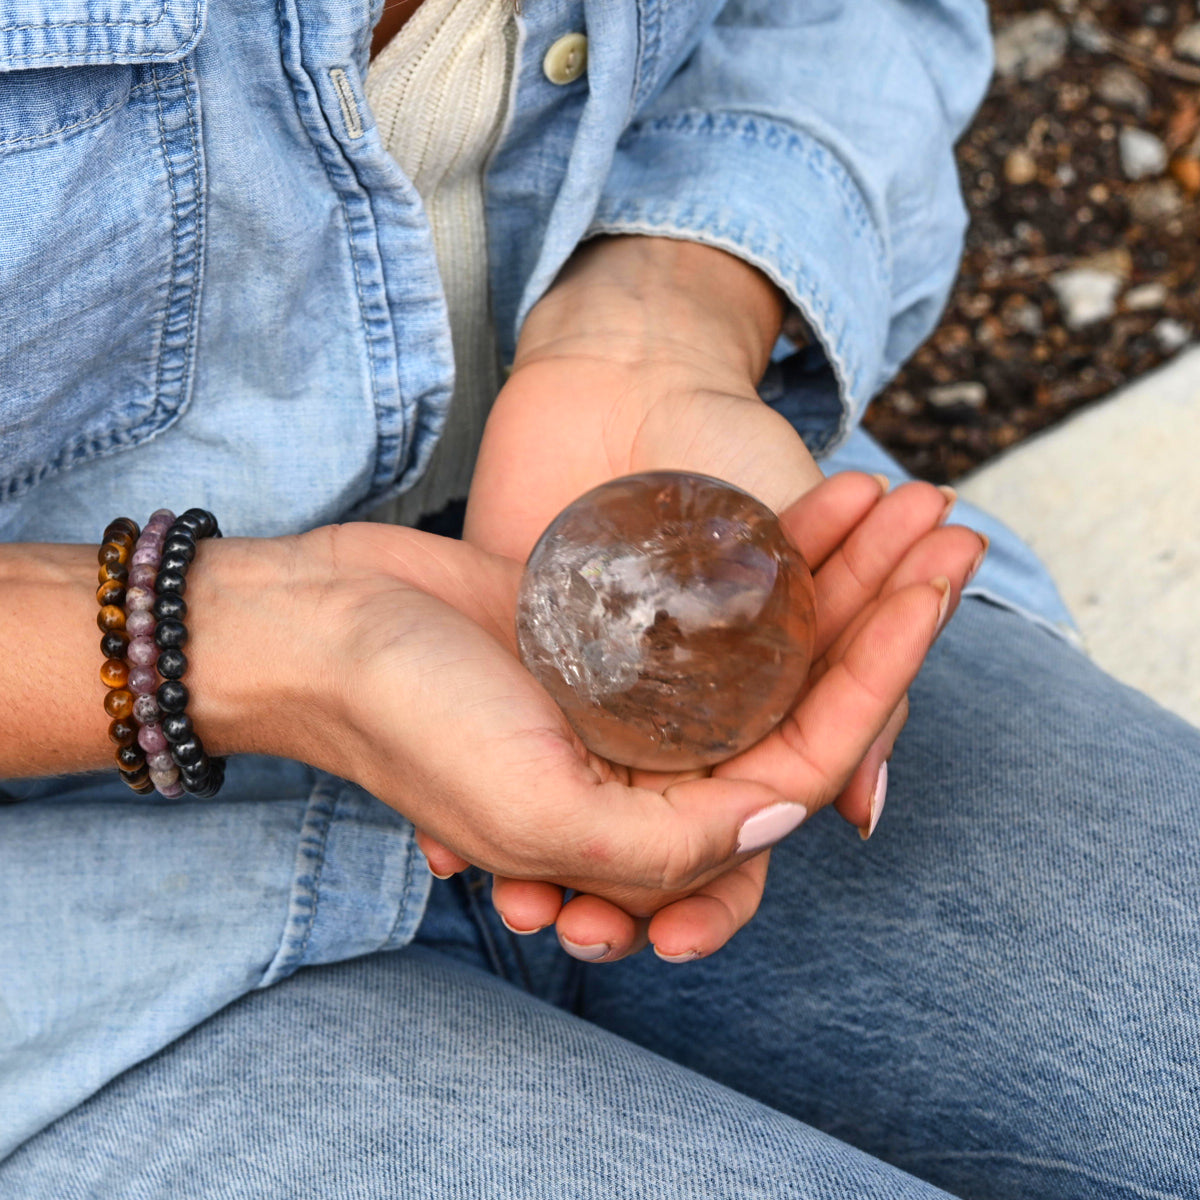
(673, 842)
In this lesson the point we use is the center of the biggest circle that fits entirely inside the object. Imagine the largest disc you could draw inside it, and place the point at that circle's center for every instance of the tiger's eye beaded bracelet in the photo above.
(116, 551)
(197, 773)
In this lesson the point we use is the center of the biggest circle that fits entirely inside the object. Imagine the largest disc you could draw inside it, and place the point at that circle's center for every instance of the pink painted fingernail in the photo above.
(514, 929)
(943, 585)
(596, 950)
(878, 799)
(687, 956)
(987, 541)
(765, 827)
(951, 498)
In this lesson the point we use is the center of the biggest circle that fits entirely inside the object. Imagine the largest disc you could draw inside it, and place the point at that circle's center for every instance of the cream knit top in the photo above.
(438, 92)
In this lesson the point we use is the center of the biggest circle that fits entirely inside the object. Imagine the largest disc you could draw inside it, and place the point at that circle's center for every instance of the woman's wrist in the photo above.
(648, 298)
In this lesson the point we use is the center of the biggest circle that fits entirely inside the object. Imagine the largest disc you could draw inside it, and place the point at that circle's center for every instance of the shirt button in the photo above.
(566, 60)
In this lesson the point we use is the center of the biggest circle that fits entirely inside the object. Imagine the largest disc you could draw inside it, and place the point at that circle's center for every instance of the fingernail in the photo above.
(987, 541)
(514, 929)
(596, 950)
(765, 827)
(687, 956)
(878, 799)
(438, 876)
(943, 585)
(885, 484)
(951, 499)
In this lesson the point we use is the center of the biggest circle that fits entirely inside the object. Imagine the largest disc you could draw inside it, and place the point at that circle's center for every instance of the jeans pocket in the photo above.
(101, 219)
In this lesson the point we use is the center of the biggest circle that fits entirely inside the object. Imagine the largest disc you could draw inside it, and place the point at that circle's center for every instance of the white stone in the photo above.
(1142, 154)
(1086, 295)
(950, 395)
(1171, 335)
(1121, 88)
(1109, 500)
(1146, 297)
(1028, 47)
(1187, 42)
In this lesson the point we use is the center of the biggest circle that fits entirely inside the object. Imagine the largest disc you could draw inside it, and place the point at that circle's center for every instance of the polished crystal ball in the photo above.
(669, 617)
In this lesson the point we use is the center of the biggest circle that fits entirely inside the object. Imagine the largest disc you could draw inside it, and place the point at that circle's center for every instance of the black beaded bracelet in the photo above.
(200, 775)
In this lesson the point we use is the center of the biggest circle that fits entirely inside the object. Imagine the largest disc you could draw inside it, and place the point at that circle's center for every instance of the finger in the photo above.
(855, 571)
(526, 905)
(700, 924)
(441, 861)
(823, 518)
(953, 552)
(811, 755)
(594, 930)
(862, 799)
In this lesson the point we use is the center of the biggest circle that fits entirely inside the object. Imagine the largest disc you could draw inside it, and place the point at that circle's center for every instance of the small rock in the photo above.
(1145, 298)
(1171, 335)
(1028, 47)
(1117, 261)
(1142, 154)
(1020, 167)
(1121, 88)
(1086, 295)
(1023, 316)
(952, 395)
(905, 403)
(1155, 202)
(1088, 35)
(1156, 16)
(1187, 42)
(1186, 172)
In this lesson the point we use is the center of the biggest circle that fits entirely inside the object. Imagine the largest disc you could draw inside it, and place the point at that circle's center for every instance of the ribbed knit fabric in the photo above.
(438, 92)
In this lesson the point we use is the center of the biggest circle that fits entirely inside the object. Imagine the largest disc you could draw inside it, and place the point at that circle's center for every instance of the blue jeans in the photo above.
(994, 997)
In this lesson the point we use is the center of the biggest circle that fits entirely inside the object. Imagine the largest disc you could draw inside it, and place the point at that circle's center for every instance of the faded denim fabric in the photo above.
(989, 996)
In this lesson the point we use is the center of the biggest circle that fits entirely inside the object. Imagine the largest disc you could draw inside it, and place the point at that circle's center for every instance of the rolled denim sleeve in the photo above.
(814, 140)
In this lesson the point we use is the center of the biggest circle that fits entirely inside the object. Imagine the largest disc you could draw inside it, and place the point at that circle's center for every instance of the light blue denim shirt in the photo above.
(216, 288)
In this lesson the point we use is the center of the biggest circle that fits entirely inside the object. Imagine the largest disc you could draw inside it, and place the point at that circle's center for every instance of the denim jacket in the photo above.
(216, 288)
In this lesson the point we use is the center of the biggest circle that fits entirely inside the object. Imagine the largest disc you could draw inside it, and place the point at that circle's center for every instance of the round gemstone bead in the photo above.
(161, 516)
(177, 727)
(114, 643)
(175, 564)
(139, 598)
(143, 576)
(197, 775)
(146, 710)
(172, 664)
(146, 554)
(111, 591)
(163, 779)
(151, 739)
(112, 571)
(130, 758)
(172, 696)
(170, 608)
(171, 581)
(669, 617)
(177, 544)
(114, 673)
(135, 779)
(160, 761)
(122, 732)
(143, 681)
(172, 791)
(142, 652)
(121, 525)
(113, 552)
(169, 633)
(110, 617)
(140, 623)
(119, 703)
(188, 752)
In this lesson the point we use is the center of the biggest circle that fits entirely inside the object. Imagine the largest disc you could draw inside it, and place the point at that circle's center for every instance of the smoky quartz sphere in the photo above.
(669, 617)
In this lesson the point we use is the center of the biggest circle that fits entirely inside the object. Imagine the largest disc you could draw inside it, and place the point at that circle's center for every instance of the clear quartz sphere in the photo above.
(669, 617)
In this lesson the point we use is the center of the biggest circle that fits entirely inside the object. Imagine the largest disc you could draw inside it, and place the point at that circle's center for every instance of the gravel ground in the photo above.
(1082, 264)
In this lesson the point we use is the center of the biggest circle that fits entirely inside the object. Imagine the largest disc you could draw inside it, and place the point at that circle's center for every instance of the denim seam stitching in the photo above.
(130, 24)
(85, 122)
(405, 889)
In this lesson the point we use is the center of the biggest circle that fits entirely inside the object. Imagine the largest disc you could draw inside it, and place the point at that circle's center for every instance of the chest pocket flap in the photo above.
(67, 33)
